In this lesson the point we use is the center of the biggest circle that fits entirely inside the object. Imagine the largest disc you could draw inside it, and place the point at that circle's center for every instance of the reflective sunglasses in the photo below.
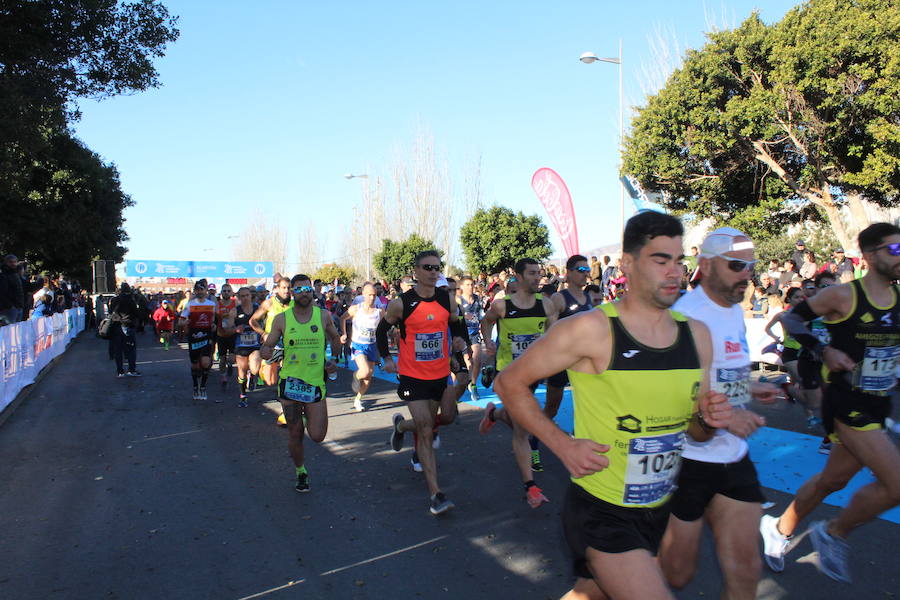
(737, 265)
(435, 268)
(302, 288)
(893, 249)
(583, 269)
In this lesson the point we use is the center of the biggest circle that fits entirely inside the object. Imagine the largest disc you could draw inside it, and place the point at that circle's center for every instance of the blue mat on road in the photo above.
(784, 459)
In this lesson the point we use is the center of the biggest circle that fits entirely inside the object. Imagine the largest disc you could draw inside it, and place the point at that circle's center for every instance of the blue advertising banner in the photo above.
(198, 269)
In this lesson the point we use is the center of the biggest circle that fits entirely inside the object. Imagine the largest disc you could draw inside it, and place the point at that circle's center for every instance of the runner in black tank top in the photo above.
(863, 317)
(566, 303)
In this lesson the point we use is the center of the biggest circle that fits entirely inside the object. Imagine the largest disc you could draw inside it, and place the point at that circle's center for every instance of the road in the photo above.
(130, 489)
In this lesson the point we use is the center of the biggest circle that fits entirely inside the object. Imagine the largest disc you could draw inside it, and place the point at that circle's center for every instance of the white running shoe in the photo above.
(357, 404)
(775, 545)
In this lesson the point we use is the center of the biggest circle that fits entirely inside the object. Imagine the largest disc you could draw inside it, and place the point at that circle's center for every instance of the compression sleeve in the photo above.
(795, 322)
(381, 338)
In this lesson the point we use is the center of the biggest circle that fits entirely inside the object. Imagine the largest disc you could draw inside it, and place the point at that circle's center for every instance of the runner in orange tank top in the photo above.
(423, 315)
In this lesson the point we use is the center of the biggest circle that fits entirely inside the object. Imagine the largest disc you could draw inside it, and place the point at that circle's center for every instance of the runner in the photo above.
(565, 303)
(225, 331)
(521, 318)
(165, 318)
(423, 315)
(639, 377)
(261, 322)
(301, 384)
(247, 344)
(199, 317)
(718, 481)
(365, 351)
(473, 311)
(863, 317)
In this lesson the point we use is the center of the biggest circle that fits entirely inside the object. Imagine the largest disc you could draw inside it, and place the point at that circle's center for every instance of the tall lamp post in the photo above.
(588, 58)
(350, 176)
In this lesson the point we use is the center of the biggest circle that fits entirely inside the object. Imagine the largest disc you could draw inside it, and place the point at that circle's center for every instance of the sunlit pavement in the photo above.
(129, 489)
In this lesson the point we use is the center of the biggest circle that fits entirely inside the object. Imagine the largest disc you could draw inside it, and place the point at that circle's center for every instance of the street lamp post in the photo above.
(588, 58)
(349, 176)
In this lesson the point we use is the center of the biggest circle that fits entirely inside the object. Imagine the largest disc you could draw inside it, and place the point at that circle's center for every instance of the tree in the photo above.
(495, 238)
(72, 213)
(768, 125)
(396, 259)
(331, 271)
(262, 239)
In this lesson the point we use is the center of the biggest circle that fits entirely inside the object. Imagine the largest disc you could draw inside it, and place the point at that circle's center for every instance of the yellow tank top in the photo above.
(518, 330)
(640, 406)
(275, 308)
(304, 350)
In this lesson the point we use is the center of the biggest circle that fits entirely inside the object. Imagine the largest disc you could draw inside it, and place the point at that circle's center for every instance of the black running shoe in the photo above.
(536, 465)
(440, 504)
(487, 376)
(302, 482)
(396, 434)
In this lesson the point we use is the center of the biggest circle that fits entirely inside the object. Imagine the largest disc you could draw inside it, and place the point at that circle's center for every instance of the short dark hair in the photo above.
(791, 293)
(872, 236)
(646, 225)
(450, 280)
(523, 263)
(824, 275)
(425, 254)
(317, 281)
(574, 260)
(299, 277)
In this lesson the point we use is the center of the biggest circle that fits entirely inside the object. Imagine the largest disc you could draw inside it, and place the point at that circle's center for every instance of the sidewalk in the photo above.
(129, 489)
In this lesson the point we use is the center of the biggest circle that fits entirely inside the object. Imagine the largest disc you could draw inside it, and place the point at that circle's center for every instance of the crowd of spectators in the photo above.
(24, 296)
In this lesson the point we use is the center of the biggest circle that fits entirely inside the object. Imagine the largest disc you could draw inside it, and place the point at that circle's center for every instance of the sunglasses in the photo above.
(300, 289)
(435, 268)
(583, 269)
(737, 265)
(893, 249)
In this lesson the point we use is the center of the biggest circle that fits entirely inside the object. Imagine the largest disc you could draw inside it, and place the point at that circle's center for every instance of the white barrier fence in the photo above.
(28, 347)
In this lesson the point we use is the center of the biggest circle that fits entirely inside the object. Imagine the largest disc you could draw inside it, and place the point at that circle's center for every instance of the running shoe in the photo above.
(487, 376)
(825, 448)
(357, 404)
(435, 440)
(486, 422)
(302, 482)
(203, 393)
(536, 465)
(414, 461)
(535, 497)
(833, 553)
(440, 504)
(813, 421)
(396, 434)
(120, 375)
(775, 544)
(243, 401)
(196, 393)
(281, 421)
(473, 391)
(133, 373)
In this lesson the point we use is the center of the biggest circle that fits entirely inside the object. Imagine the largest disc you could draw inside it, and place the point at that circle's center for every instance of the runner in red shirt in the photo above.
(164, 317)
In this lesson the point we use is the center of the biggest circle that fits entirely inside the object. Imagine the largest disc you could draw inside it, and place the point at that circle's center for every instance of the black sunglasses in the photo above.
(436, 268)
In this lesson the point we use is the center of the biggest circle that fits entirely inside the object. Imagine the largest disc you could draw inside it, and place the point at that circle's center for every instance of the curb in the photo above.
(7, 412)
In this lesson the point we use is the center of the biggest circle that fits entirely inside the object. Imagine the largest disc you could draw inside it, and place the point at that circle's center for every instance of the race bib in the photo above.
(519, 343)
(821, 332)
(734, 383)
(653, 464)
(429, 346)
(198, 345)
(877, 371)
(248, 339)
(299, 390)
(366, 335)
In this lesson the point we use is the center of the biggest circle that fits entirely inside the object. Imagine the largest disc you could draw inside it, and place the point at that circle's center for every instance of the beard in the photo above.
(303, 301)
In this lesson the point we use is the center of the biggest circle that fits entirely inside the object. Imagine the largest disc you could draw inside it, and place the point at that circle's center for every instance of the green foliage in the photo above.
(766, 121)
(495, 238)
(52, 53)
(329, 272)
(396, 259)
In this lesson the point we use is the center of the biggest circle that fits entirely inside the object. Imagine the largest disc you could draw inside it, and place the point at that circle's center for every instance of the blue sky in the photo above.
(267, 104)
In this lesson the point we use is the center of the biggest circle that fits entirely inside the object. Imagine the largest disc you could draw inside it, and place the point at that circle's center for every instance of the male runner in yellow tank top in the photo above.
(640, 380)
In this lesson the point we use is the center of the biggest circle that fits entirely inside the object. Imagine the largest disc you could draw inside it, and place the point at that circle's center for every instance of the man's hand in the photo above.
(389, 366)
(583, 457)
(490, 348)
(343, 339)
(836, 360)
(265, 352)
(767, 393)
(715, 409)
(458, 345)
(744, 423)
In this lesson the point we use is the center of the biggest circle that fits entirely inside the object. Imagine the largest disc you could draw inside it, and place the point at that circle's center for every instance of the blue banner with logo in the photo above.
(198, 269)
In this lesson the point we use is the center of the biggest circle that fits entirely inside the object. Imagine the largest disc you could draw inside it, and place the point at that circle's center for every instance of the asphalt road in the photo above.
(129, 489)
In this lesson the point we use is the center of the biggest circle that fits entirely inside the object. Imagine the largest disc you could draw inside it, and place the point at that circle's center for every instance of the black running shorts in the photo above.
(200, 344)
(810, 372)
(589, 522)
(854, 409)
(699, 481)
(226, 343)
(411, 388)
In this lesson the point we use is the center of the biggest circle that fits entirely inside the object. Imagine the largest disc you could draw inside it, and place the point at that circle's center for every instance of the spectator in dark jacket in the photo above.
(123, 316)
(10, 291)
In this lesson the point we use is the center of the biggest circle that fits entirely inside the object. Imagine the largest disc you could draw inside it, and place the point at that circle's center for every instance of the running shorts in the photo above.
(370, 351)
(589, 522)
(411, 388)
(855, 409)
(789, 354)
(200, 344)
(810, 373)
(560, 380)
(245, 350)
(699, 481)
(226, 343)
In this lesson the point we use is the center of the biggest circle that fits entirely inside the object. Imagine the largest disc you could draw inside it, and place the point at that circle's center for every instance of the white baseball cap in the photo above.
(442, 282)
(722, 240)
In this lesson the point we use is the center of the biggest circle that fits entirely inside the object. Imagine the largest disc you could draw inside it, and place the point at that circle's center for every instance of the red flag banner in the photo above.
(551, 190)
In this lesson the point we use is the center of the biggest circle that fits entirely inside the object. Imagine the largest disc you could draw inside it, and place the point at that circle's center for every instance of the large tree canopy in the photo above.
(395, 259)
(495, 238)
(772, 123)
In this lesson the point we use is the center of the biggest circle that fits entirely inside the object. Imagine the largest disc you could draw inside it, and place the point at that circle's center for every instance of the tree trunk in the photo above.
(834, 219)
(860, 219)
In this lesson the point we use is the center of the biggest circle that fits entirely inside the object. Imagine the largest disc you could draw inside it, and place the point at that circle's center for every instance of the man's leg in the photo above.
(363, 375)
(423, 413)
(634, 574)
(734, 525)
(678, 550)
(131, 351)
(585, 589)
(316, 420)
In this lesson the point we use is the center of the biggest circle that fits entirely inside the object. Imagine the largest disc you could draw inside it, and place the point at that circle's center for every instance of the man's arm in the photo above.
(348, 314)
(833, 303)
(580, 342)
(493, 314)
(392, 316)
(273, 336)
(258, 318)
(711, 409)
(551, 312)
